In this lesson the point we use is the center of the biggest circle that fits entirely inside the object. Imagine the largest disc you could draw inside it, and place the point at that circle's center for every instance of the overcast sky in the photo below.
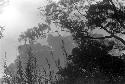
(16, 16)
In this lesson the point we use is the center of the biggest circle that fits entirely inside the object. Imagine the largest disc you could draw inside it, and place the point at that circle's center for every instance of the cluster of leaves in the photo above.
(56, 12)
(34, 33)
(107, 17)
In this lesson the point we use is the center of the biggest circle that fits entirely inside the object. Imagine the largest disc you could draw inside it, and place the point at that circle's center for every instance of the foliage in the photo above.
(89, 57)
(81, 19)
(107, 17)
(92, 53)
(33, 33)
(20, 72)
(94, 58)
(7, 73)
(30, 70)
(17, 73)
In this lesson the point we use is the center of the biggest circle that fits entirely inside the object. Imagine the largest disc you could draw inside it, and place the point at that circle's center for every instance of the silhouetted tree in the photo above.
(92, 53)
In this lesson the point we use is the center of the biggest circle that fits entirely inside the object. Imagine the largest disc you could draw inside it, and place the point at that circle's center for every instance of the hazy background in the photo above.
(16, 16)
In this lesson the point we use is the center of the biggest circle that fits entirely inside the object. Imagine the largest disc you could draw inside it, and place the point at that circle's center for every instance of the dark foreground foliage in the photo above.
(91, 61)
(94, 63)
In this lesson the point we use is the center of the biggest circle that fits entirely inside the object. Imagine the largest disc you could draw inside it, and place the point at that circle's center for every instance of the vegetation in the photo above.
(93, 60)
(92, 54)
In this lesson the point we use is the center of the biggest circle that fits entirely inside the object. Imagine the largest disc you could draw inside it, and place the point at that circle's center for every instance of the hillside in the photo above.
(52, 52)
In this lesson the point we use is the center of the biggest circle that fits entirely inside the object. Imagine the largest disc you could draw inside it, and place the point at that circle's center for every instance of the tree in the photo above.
(30, 70)
(76, 16)
(1, 31)
(20, 72)
(33, 33)
(105, 16)
(6, 78)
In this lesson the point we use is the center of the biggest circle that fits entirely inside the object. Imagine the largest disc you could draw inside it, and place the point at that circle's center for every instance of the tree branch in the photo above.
(78, 10)
(115, 36)
(120, 39)
(98, 37)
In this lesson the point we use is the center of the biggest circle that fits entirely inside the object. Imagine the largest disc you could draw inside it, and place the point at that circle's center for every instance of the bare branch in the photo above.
(115, 36)
(98, 37)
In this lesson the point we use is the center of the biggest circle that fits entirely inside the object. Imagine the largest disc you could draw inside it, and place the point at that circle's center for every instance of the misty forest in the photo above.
(76, 42)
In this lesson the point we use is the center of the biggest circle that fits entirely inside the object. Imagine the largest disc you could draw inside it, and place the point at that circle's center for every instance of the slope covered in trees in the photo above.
(49, 58)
